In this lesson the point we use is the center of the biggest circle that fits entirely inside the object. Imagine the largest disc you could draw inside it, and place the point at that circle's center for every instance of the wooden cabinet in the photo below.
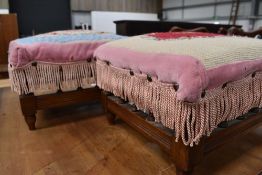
(146, 6)
(133, 27)
(8, 32)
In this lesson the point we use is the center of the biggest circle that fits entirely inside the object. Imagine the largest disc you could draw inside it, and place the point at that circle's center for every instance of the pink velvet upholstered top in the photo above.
(57, 47)
(195, 61)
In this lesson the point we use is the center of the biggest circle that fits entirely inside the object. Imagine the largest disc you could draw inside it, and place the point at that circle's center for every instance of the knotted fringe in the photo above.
(190, 121)
(45, 78)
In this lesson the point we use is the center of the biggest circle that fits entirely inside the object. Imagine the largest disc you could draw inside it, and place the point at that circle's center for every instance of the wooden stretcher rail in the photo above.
(185, 157)
(31, 103)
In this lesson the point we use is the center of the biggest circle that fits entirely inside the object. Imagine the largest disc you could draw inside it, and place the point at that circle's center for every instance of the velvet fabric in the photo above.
(187, 71)
(51, 52)
(57, 47)
(174, 35)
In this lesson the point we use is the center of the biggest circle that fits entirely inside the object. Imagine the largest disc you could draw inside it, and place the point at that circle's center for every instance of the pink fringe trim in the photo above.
(190, 121)
(45, 78)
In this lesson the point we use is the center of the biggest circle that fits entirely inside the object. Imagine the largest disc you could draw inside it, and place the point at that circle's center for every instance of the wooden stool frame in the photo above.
(31, 103)
(185, 157)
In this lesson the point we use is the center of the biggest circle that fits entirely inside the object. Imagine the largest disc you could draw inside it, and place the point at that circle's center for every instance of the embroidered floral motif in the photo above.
(175, 35)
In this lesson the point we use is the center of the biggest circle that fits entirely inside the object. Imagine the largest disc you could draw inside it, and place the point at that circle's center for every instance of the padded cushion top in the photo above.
(195, 61)
(57, 47)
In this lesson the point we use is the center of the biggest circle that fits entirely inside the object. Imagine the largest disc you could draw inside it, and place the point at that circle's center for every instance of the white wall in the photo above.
(201, 12)
(209, 12)
(174, 15)
(4, 11)
(172, 3)
(78, 18)
(104, 21)
(260, 8)
(258, 24)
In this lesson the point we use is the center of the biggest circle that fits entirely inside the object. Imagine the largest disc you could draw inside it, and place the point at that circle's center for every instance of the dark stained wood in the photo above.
(215, 141)
(30, 103)
(67, 98)
(111, 118)
(133, 27)
(29, 107)
(2, 47)
(185, 157)
(3, 71)
(9, 32)
(148, 130)
(240, 32)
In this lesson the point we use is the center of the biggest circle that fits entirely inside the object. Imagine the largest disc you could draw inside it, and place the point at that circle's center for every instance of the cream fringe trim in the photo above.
(45, 78)
(190, 121)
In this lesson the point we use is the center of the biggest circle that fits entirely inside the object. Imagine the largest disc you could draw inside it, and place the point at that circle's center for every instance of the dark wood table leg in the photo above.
(30, 121)
(181, 172)
(30, 103)
(28, 106)
(186, 157)
(111, 118)
(103, 99)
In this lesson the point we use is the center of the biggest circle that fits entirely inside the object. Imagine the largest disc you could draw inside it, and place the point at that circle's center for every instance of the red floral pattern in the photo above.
(175, 35)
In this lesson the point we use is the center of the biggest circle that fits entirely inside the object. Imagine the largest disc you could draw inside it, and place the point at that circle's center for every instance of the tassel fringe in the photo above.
(44, 78)
(191, 121)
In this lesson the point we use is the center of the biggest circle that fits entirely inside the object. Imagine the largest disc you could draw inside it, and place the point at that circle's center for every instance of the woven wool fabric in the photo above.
(45, 63)
(194, 62)
(175, 35)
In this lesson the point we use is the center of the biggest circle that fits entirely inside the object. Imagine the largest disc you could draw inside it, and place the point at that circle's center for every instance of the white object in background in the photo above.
(84, 26)
(104, 21)
(80, 17)
(4, 11)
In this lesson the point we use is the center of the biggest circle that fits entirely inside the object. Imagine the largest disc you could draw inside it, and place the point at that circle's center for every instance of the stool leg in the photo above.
(186, 157)
(28, 106)
(111, 118)
(30, 121)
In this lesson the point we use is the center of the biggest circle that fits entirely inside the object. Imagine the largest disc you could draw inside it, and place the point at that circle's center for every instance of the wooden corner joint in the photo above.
(186, 157)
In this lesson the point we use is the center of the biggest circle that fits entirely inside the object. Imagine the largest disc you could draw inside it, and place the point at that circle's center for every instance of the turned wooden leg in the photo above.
(103, 99)
(182, 172)
(30, 121)
(186, 157)
(111, 118)
(28, 106)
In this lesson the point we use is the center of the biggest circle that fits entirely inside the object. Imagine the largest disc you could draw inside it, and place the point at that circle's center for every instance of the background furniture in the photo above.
(36, 16)
(8, 32)
(132, 28)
